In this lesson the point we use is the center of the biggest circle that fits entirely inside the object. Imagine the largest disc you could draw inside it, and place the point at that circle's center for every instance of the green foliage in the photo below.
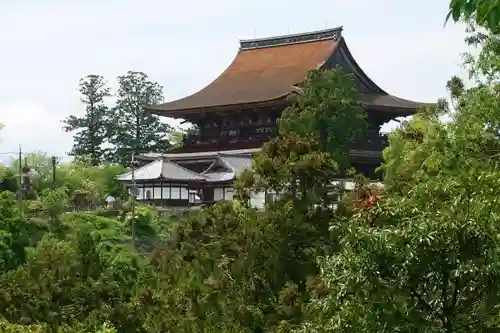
(423, 256)
(76, 281)
(6, 327)
(79, 178)
(485, 13)
(94, 183)
(178, 136)
(327, 111)
(9, 180)
(484, 67)
(40, 167)
(91, 129)
(142, 221)
(235, 269)
(133, 128)
(54, 201)
(14, 233)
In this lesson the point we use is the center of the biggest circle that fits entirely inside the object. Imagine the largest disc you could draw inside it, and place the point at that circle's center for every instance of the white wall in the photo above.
(258, 200)
(220, 193)
(223, 193)
(156, 193)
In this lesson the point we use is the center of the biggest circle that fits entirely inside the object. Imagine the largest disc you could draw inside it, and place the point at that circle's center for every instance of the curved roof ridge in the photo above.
(156, 169)
(288, 39)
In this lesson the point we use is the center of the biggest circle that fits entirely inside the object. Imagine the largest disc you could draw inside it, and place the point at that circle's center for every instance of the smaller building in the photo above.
(190, 178)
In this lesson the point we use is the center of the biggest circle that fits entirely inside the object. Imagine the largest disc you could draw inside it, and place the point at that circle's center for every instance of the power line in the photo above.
(25, 153)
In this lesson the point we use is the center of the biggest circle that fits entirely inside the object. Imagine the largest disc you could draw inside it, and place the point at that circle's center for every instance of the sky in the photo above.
(47, 46)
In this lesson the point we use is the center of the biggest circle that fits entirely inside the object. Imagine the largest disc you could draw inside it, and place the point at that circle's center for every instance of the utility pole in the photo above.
(53, 162)
(134, 193)
(20, 185)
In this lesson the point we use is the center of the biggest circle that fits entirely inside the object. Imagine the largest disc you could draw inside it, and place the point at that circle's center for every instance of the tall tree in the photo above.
(91, 128)
(136, 130)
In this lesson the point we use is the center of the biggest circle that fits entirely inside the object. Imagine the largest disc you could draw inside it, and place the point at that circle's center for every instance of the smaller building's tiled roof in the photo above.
(176, 156)
(234, 165)
(162, 168)
(215, 177)
(237, 163)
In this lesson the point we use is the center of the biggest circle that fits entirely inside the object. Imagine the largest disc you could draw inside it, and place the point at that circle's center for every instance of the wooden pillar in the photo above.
(153, 195)
(161, 191)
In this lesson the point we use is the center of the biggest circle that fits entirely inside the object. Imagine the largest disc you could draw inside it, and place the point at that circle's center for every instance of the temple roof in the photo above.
(236, 163)
(269, 69)
(162, 168)
(225, 167)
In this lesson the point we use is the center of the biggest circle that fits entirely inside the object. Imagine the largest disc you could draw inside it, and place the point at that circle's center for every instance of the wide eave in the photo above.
(266, 71)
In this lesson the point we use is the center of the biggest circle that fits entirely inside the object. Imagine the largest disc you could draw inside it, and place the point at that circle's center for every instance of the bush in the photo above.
(111, 213)
(6, 327)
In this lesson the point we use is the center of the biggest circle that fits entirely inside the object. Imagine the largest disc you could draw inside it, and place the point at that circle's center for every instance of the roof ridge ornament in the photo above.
(289, 39)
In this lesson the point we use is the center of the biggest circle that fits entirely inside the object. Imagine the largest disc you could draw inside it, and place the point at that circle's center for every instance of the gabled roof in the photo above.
(267, 70)
(162, 168)
(232, 165)
(237, 163)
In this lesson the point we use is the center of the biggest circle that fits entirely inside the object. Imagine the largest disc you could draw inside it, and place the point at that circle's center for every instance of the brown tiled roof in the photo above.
(258, 75)
(389, 101)
(266, 70)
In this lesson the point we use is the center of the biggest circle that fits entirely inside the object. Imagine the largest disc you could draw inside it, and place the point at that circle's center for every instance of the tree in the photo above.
(40, 167)
(136, 130)
(424, 255)
(237, 269)
(9, 180)
(485, 13)
(178, 136)
(14, 233)
(92, 128)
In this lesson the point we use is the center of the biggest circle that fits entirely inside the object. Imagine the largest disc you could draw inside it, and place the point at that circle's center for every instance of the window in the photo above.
(184, 193)
(175, 193)
(228, 193)
(148, 194)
